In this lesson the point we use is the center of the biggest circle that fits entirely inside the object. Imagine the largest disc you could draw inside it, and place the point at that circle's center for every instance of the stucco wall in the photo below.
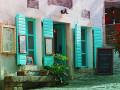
(9, 9)
(90, 47)
(20, 6)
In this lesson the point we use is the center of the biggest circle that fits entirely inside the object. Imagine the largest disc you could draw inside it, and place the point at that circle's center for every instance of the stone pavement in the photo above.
(93, 82)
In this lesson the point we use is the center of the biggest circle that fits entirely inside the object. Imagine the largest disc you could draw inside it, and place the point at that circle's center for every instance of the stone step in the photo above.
(34, 73)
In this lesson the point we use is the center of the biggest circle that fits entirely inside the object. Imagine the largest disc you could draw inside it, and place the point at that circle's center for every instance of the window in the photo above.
(31, 40)
(84, 46)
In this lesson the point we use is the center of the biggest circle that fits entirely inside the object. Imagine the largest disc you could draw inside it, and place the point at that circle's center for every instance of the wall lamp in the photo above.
(64, 11)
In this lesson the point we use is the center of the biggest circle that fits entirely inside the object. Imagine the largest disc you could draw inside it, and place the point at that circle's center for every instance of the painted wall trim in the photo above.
(86, 23)
(61, 20)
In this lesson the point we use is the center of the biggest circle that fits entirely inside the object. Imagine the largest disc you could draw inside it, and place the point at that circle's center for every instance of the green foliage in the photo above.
(43, 70)
(22, 68)
(116, 44)
(61, 57)
(58, 70)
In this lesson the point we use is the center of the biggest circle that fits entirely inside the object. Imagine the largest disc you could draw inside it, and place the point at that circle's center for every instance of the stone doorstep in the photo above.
(13, 88)
(8, 88)
(17, 88)
(34, 73)
(27, 79)
(17, 82)
(20, 86)
(86, 70)
(11, 84)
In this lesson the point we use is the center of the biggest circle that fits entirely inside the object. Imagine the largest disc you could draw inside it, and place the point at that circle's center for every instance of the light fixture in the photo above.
(55, 31)
(64, 11)
(113, 10)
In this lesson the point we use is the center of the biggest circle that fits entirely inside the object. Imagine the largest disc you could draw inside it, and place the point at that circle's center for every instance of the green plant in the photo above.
(22, 68)
(116, 43)
(44, 70)
(58, 70)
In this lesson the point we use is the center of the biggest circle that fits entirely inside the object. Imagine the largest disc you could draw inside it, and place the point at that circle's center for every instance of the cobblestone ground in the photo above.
(106, 82)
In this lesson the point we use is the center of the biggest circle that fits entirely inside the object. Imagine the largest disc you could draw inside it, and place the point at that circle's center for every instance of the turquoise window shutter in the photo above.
(20, 30)
(47, 32)
(78, 57)
(97, 35)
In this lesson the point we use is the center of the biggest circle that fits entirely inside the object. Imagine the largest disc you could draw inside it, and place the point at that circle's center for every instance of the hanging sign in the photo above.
(22, 44)
(8, 39)
(48, 46)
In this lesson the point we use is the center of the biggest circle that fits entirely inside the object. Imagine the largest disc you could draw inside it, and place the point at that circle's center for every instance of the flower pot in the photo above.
(20, 73)
(26, 73)
(23, 73)
(44, 73)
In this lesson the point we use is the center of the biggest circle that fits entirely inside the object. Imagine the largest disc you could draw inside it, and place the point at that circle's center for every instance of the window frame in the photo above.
(85, 28)
(34, 38)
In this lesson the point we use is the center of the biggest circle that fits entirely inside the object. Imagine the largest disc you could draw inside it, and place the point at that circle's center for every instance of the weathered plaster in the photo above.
(39, 42)
(69, 50)
(9, 9)
(90, 47)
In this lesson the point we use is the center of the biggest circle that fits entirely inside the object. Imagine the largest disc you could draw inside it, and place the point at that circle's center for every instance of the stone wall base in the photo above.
(84, 72)
(26, 82)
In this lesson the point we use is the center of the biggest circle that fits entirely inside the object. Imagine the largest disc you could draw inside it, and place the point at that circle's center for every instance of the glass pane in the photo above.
(83, 47)
(30, 42)
(30, 27)
(31, 53)
(83, 34)
(83, 60)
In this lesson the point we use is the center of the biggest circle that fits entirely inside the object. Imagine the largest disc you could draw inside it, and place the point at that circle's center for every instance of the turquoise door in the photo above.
(59, 30)
(60, 39)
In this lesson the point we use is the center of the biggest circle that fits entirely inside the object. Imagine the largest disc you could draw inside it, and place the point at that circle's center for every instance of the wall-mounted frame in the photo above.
(29, 60)
(22, 44)
(8, 39)
(48, 46)
(33, 4)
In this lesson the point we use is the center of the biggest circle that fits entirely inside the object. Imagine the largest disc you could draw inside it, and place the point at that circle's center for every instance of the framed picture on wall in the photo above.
(22, 44)
(29, 60)
(48, 46)
(7, 39)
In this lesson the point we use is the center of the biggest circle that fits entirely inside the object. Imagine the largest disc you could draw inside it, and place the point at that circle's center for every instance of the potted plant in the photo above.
(22, 72)
(59, 70)
(44, 72)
